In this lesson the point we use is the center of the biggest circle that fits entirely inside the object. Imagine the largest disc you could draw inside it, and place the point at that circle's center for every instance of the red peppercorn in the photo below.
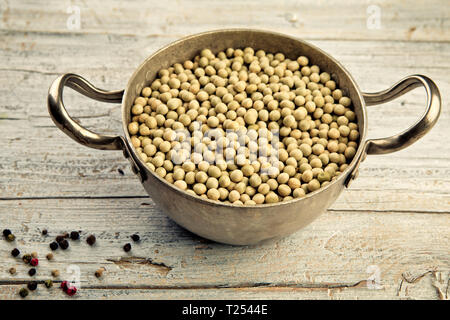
(64, 286)
(34, 262)
(71, 291)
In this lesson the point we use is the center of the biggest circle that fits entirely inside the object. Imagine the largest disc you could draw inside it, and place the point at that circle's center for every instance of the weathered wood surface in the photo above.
(394, 216)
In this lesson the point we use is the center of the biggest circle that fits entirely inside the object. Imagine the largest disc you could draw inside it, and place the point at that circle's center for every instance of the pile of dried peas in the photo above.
(244, 127)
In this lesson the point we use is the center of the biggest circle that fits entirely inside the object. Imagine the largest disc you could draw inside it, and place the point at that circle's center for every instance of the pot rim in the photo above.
(344, 175)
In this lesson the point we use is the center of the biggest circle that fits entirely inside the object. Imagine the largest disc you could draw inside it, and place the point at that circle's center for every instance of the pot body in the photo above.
(233, 224)
(228, 223)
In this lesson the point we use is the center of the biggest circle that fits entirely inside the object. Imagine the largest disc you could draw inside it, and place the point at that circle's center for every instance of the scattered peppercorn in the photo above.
(12, 270)
(11, 237)
(27, 258)
(99, 272)
(71, 291)
(64, 244)
(6, 233)
(32, 272)
(59, 238)
(50, 256)
(23, 292)
(91, 240)
(127, 247)
(54, 245)
(64, 286)
(34, 262)
(66, 235)
(34, 254)
(48, 283)
(135, 237)
(74, 235)
(55, 273)
(32, 285)
(44, 232)
(15, 252)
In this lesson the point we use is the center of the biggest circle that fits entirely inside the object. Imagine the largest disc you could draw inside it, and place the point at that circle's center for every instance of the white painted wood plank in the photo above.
(414, 179)
(333, 252)
(400, 20)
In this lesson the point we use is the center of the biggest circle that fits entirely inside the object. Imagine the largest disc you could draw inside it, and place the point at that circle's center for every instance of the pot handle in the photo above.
(417, 130)
(69, 126)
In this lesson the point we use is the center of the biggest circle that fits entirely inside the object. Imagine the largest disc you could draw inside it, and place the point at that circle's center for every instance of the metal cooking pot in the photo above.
(228, 223)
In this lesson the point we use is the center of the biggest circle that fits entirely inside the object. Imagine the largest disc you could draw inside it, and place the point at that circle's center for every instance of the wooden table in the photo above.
(395, 218)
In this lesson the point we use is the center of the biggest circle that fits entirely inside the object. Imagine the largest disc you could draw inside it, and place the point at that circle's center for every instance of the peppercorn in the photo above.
(64, 286)
(55, 273)
(23, 292)
(6, 233)
(15, 252)
(27, 258)
(64, 244)
(66, 235)
(11, 237)
(54, 245)
(135, 237)
(34, 262)
(99, 272)
(127, 247)
(32, 285)
(48, 283)
(32, 272)
(59, 238)
(49, 256)
(44, 232)
(91, 240)
(12, 270)
(71, 291)
(74, 235)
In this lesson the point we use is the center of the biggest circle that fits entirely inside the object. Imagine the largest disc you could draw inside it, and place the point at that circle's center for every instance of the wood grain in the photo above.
(333, 253)
(394, 216)
(403, 20)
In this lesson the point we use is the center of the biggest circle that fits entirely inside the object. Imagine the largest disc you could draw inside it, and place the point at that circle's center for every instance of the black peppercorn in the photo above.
(135, 237)
(74, 235)
(23, 292)
(6, 232)
(91, 240)
(54, 245)
(65, 235)
(127, 247)
(15, 252)
(59, 238)
(27, 258)
(32, 272)
(64, 244)
(44, 232)
(32, 285)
